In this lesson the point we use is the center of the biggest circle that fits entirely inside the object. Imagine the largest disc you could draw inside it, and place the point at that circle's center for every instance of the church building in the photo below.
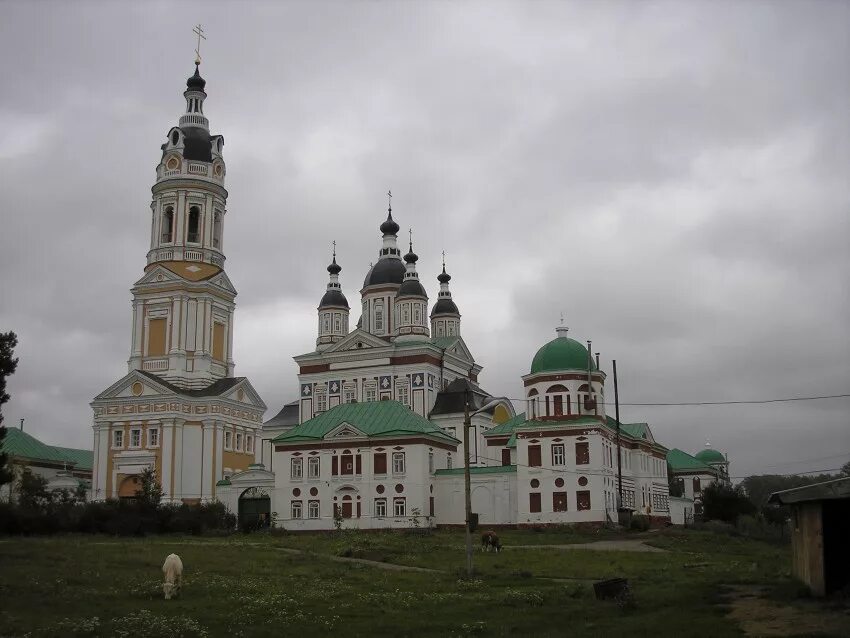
(180, 409)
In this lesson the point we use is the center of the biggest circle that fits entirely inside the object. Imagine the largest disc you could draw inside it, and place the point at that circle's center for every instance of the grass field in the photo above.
(252, 586)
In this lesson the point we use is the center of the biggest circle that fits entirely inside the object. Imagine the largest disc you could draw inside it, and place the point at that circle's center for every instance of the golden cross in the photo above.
(200, 32)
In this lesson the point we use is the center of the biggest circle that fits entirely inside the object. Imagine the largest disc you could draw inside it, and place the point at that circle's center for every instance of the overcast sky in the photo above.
(673, 177)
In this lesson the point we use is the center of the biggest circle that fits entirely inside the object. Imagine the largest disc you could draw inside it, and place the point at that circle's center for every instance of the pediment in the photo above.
(244, 392)
(135, 385)
(460, 349)
(345, 431)
(357, 340)
(157, 275)
(223, 281)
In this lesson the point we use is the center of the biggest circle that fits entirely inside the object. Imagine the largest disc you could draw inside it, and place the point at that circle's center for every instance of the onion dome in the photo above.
(334, 267)
(444, 306)
(385, 271)
(389, 227)
(709, 456)
(411, 288)
(333, 296)
(411, 257)
(444, 277)
(562, 353)
(196, 82)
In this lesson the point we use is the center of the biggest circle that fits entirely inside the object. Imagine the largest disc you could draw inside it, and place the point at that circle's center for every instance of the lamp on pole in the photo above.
(467, 423)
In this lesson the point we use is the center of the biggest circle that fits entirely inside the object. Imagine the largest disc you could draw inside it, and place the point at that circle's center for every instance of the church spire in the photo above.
(445, 317)
(411, 301)
(333, 308)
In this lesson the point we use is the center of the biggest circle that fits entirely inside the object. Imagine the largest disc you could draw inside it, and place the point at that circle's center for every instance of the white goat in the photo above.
(172, 569)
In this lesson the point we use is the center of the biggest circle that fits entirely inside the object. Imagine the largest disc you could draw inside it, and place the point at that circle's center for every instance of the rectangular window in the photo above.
(313, 509)
(558, 454)
(118, 438)
(380, 507)
(218, 341)
(153, 437)
(534, 502)
(238, 441)
(583, 500)
(379, 317)
(313, 467)
(582, 453)
(430, 462)
(534, 459)
(296, 468)
(398, 462)
(506, 456)
(135, 438)
(296, 509)
(249, 443)
(156, 337)
(348, 395)
(559, 501)
(347, 461)
(334, 465)
(321, 402)
(399, 507)
(403, 395)
(228, 440)
(371, 393)
(380, 461)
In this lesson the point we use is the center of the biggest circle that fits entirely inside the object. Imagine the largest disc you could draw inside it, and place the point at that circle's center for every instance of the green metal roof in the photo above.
(508, 426)
(562, 353)
(710, 456)
(222, 483)
(493, 469)
(511, 441)
(82, 459)
(682, 461)
(375, 418)
(23, 445)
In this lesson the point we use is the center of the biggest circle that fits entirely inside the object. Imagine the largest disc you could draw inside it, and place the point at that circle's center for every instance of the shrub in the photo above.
(725, 503)
(639, 523)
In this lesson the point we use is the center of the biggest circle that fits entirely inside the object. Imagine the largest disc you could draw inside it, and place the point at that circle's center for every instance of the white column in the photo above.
(229, 356)
(207, 460)
(174, 324)
(138, 322)
(167, 445)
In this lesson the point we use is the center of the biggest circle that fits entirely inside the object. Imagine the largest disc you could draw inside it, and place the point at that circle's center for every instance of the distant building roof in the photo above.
(680, 461)
(22, 445)
(826, 491)
(374, 418)
(288, 415)
(710, 456)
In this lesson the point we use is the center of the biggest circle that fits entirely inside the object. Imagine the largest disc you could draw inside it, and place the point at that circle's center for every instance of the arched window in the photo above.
(557, 392)
(168, 225)
(532, 404)
(193, 235)
(217, 230)
(586, 399)
(175, 137)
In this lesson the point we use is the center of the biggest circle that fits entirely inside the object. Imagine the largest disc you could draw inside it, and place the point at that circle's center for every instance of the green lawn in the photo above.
(245, 585)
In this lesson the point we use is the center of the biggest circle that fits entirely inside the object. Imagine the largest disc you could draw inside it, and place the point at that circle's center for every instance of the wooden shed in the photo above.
(820, 529)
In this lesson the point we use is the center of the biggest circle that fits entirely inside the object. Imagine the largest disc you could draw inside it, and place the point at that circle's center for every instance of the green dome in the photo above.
(562, 353)
(709, 456)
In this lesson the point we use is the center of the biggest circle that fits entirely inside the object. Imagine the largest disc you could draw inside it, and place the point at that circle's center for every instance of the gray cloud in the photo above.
(672, 177)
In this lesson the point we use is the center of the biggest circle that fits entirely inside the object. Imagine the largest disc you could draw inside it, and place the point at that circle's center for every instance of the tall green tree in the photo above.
(8, 364)
(150, 491)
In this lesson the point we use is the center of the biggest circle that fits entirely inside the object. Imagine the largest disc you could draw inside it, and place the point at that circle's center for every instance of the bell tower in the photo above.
(183, 306)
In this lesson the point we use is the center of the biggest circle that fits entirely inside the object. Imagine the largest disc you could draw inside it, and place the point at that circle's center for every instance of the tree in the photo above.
(845, 469)
(150, 491)
(725, 503)
(32, 490)
(8, 341)
(674, 484)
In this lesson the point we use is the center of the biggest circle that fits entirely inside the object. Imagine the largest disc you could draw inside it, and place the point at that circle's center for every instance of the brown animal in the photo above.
(489, 541)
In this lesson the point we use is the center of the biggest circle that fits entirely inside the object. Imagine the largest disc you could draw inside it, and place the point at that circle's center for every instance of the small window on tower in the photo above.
(175, 137)
(193, 235)
(168, 225)
(217, 231)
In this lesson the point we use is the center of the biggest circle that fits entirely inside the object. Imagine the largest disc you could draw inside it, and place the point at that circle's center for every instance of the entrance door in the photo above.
(254, 509)
(346, 507)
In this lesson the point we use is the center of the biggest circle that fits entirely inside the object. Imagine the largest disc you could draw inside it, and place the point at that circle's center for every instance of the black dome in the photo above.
(196, 82)
(411, 257)
(334, 298)
(334, 268)
(386, 271)
(444, 306)
(411, 288)
(444, 277)
(389, 227)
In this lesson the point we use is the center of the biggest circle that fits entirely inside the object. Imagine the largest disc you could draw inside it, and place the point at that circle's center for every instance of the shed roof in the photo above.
(825, 491)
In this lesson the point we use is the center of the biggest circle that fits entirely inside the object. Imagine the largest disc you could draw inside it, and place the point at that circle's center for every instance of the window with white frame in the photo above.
(379, 316)
(430, 462)
(337, 324)
(321, 402)
(228, 440)
(348, 394)
(238, 441)
(296, 468)
(296, 509)
(249, 443)
(558, 454)
(403, 394)
(118, 438)
(380, 507)
(153, 437)
(136, 437)
(399, 507)
(313, 467)
(371, 392)
(313, 509)
(398, 462)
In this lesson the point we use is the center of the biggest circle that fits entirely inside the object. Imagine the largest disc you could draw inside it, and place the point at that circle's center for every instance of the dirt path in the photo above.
(606, 546)
(758, 616)
(362, 561)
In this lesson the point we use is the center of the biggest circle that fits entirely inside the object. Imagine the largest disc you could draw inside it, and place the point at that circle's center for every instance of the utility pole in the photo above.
(22, 425)
(619, 454)
(467, 422)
